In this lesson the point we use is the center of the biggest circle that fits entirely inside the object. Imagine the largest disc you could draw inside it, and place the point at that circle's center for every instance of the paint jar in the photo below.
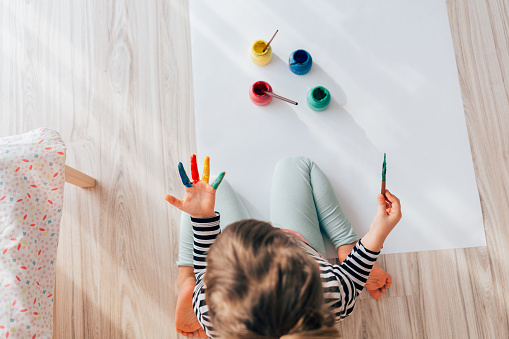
(256, 93)
(259, 55)
(300, 62)
(318, 98)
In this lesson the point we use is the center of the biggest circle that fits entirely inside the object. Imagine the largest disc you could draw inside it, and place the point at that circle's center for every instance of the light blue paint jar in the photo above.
(318, 98)
(300, 62)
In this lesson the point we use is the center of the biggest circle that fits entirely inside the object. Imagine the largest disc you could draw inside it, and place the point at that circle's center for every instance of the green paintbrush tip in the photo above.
(384, 169)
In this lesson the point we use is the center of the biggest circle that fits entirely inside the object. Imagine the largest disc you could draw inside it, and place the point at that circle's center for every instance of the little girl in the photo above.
(257, 280)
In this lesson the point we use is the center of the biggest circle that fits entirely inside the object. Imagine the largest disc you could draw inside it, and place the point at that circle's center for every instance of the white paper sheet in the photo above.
(391, 72)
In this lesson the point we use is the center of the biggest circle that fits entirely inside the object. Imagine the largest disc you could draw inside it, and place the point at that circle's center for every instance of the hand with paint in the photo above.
(200, 197)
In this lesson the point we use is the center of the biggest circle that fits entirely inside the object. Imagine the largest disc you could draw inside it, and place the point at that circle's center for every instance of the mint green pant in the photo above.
(302, 200)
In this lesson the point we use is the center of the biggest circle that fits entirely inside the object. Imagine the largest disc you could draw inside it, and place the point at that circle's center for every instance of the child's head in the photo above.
(261, 284)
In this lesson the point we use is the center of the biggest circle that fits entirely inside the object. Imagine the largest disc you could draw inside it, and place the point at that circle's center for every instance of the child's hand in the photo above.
(200, 197)
(387, 215)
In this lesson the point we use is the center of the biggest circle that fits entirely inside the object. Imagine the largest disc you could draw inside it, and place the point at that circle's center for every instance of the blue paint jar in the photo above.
(300, 62)
(318, 98)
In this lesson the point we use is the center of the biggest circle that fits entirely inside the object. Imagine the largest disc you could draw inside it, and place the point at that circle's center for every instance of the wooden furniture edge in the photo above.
(78, 178)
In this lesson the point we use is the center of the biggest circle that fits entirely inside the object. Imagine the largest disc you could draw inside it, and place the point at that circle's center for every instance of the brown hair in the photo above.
(261, 284)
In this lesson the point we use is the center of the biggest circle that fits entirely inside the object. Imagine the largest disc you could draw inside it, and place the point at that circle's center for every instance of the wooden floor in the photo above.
(114, 77)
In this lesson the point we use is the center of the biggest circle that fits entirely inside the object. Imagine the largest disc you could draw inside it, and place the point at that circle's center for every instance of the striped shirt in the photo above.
(341, 283)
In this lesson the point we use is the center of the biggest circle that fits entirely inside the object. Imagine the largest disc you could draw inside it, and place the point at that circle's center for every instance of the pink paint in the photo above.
(256, 93)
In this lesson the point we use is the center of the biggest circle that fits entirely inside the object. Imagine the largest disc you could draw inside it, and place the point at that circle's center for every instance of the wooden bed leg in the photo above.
(77, 178)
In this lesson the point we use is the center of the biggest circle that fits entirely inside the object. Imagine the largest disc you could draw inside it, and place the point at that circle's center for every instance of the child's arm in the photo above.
(387, 216)
(353, 272)
(378, 281)
(205, 232)
(360, 261)
(199, 202)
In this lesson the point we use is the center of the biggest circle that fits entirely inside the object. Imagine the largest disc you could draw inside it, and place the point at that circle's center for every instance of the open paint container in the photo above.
(300, 62)
(260, 54)
(257, 95)
(261, 94)
(318, 98)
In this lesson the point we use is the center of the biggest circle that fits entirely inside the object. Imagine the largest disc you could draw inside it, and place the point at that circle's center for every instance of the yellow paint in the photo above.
(45, 234)
(24, 242)
(206, 170)
(32, 207)
(13, 329)
(259, 47)
(258, 56)
(24, 291)
(39, 317)
(7, 306)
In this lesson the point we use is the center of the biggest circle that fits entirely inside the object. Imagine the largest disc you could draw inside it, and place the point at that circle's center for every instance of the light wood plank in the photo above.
(480, 30)
(113, 78)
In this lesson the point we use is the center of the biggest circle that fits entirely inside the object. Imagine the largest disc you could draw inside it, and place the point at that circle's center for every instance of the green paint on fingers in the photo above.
(218, 181)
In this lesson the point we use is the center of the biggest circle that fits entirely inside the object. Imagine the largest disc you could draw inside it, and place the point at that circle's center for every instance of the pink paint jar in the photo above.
(256, 93)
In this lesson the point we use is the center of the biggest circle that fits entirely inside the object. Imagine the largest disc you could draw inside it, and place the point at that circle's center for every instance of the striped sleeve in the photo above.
(351, 276)
(205, 231)
(200, 307)
(343, 283)
(358, 265)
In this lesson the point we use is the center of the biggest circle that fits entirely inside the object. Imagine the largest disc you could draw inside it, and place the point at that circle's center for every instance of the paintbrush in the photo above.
(384, 170)
(280, 97)
(267, 46)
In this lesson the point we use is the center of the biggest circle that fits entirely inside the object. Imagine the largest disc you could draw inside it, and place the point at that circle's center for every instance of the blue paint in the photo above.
(318, 98)
(183, 176)
(300, 62)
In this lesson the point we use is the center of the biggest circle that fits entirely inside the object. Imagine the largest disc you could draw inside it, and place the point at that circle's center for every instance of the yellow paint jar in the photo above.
(258, 56)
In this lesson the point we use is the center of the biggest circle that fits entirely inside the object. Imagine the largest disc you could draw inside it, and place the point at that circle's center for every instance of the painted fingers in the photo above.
(217, 182)
(196, 175)
(183, 176)
(194, 169)
(206, 170)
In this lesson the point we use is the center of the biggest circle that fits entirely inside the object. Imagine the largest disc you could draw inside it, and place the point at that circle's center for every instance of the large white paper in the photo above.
(391, 72)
